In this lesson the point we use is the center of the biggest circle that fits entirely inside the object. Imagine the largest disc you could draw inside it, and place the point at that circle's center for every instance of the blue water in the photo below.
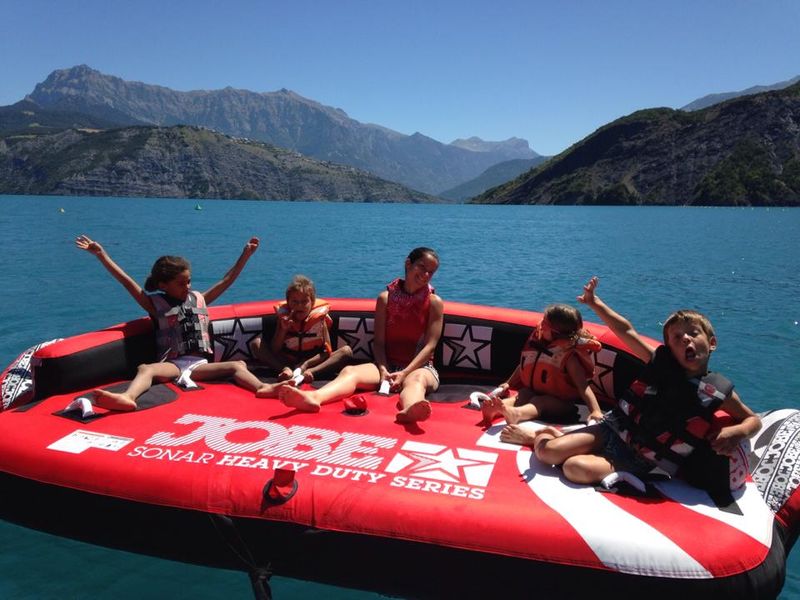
(740, 266)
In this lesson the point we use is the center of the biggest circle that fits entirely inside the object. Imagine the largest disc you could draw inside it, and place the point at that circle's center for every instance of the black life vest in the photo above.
(666, 417)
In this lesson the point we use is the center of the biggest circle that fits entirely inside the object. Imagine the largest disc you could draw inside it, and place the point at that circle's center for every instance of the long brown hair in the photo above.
(565, 321)
(165, 269)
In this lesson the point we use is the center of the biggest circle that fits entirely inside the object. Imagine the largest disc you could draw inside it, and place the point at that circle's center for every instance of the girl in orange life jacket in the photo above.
(301, 341)
(408, 323)
(181, 317)
(555, 368)
(669, 397)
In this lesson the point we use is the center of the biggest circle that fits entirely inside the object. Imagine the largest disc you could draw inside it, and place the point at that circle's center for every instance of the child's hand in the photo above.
(283, 323)
(250, 247)
(588, 292)
(595, 416)
(396, 379)
(501, 391)
(727, 440)
(85, 243)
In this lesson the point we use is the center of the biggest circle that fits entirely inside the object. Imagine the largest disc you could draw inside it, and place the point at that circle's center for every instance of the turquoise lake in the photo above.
(740, 266)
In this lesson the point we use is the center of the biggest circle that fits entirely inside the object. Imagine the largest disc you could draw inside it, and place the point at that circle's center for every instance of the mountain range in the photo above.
(175, 162)
(491, 177)
(744, 151)
(283, 119)
(712, 99)
(83, 132)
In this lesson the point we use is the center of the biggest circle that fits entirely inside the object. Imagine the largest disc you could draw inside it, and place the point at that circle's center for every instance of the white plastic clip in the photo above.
(609, 480)
(83, 404)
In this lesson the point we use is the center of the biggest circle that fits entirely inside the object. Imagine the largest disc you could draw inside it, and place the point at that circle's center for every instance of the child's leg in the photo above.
(494, 407)
(413, 405)
(575, 452)
(336, 360)
(531, 406)
(515, 414)
(263, 353)
(587, 468)
(514, 434)
(553, 447)
(241, 375)
(141, 383)
(350, 379)
(508, 409)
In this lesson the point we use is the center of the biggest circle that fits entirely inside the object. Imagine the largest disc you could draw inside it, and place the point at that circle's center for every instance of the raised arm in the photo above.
(616, 322)
(134, 289)
(215, 291)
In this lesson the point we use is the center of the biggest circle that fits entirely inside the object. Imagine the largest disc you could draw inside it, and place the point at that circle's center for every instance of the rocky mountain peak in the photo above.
(282, 118)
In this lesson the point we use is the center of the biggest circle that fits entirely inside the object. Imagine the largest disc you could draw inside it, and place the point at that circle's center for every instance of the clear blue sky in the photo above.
(550, 72)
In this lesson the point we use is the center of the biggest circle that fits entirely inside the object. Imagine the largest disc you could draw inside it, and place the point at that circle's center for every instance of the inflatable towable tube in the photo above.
(439, 509)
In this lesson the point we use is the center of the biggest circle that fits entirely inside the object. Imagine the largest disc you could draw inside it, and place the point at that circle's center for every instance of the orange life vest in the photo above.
(543, 368)
(306, 338)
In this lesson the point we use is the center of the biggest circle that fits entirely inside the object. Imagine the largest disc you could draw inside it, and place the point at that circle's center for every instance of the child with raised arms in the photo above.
(665, 422)
(301, 341)
(182, 338)
(555, 368)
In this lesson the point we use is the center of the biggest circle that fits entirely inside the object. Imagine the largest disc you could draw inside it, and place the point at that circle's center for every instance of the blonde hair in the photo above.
(689, 316)
(302, 284)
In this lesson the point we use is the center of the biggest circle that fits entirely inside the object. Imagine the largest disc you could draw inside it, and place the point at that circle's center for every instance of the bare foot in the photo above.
(491, 408)
(299, 399)
(270, 390)
(514, 434)
(113, 400)
(512, 414)
(419, 411)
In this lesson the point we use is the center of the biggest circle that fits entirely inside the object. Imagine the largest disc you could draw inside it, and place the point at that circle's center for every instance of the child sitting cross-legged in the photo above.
(665, 423)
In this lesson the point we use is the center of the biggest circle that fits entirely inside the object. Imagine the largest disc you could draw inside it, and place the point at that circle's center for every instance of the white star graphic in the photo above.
(444, 466)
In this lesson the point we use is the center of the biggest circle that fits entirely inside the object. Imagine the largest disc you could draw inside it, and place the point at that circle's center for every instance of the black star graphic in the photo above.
(602, 373)
(234, 344)
(359, 339)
